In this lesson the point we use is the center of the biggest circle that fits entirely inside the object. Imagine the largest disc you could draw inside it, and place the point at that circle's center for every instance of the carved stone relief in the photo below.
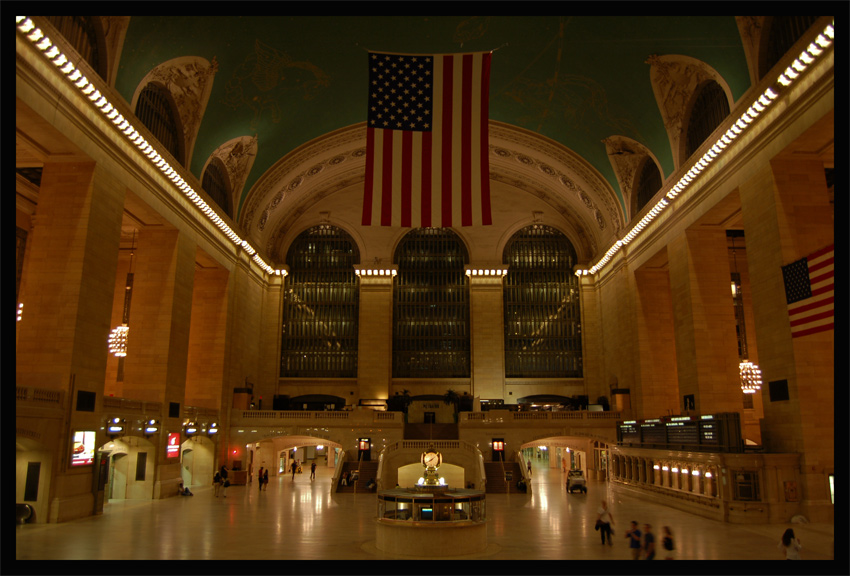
(626, 156)
(238, 156)
(674, 80)
(189, 80)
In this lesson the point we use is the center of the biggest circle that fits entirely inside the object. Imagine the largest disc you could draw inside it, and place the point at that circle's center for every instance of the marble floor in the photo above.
(302, 520)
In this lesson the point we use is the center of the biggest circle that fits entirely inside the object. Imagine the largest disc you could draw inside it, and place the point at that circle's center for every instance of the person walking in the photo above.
(648, 543)
(633, 535)
(312, 471)
(265, 479)
(260, 479)
(293, 467)
(217, 484)
(791, 545)
(604, 520)
(224, 481)
(667, 543)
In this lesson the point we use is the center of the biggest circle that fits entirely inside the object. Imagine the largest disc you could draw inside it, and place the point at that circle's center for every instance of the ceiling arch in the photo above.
(519, 159)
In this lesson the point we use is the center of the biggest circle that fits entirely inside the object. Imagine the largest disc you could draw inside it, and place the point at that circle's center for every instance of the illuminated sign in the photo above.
(82, 452)
(172, 449)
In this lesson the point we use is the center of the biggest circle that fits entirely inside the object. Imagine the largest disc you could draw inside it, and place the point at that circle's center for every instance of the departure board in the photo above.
(682, 433)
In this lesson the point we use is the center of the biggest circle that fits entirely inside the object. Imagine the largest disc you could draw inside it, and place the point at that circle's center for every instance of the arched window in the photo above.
(155, 110)
(431, 306)
(710, 109)
(320, 306)
(81, 33)
(215, 183)
(784, 31)
(541, 306)
(648, 183)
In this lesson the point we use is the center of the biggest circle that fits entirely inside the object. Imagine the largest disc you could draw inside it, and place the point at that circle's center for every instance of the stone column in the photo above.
(659, 385)
(487, 335)
(67, 292)
(207, 339)
(374, 343)
(787, 216)
(706, 345)
(158, 340)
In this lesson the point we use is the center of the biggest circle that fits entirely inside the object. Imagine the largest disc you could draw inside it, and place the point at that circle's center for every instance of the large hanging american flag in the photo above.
(810, 292)
(427, 140)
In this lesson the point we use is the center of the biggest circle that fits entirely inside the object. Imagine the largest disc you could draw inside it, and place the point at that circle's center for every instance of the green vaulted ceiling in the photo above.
(574, 79)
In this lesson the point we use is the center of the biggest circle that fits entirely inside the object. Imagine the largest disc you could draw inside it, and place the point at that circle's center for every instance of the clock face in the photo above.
(431, 460)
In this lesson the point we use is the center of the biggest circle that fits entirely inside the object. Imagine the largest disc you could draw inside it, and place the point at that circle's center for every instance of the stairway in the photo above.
(495, 475)
(368, 470)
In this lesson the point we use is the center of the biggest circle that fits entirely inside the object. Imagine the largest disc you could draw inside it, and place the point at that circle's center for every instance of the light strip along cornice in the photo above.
(790, 75)
(87, 88)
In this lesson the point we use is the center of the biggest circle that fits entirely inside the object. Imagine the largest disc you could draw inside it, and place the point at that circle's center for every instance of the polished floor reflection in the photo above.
(303, 520)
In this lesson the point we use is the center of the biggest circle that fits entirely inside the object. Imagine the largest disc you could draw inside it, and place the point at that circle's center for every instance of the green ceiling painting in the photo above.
(576, 80)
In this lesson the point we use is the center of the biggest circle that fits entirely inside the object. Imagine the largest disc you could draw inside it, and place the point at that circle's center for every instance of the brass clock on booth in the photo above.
(432, 459)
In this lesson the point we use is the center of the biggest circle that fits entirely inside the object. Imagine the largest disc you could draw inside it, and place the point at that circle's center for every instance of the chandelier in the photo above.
(117, 341)
(750, 372)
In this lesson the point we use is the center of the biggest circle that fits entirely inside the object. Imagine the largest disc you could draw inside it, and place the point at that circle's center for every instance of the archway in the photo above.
(132, 468)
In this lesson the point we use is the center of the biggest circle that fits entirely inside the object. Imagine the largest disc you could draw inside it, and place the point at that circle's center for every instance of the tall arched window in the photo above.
(710, 109)
(215, 183)
(648, 183)
(155, 110)
(541, 306)
(320, 306)
(81, 33)
(783, 32)
(431, 306)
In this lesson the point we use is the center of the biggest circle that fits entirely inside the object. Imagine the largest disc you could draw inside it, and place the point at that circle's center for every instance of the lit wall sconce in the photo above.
(501, 272)
(115, 427)
(190, 428)
(20, 311)
(694, 472)
(664, 468)
(708, 474)
(212, 429)
(151, 427)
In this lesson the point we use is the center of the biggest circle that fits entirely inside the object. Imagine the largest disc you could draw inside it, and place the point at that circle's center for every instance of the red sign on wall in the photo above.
(172, 450)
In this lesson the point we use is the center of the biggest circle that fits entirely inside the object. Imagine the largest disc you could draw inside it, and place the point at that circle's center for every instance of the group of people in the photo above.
(641, 544)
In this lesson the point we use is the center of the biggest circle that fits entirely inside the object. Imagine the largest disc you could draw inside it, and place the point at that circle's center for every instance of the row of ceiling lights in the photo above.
(86, 87)
(786, 78)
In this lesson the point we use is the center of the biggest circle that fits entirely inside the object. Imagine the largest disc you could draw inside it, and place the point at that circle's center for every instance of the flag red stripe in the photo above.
(426, 179)
(822, 277)
(819, 265)
(466, 143)
(812, 318)
(446, 167)
(406, 176)
(811, 306)
(823, 328)
(823, 290)
(484, 148)
(366, 220)
(387, 180)
(821, 252)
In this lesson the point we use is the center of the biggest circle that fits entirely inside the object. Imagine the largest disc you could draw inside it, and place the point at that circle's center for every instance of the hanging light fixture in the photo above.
(750, 372)
(117, 341)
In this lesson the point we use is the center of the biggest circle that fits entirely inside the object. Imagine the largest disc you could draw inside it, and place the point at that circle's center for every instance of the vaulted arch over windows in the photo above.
(216, 183)
(156, 111)
(648, 183)
(431, 336)
(710, 108)
(782, 33)
(320, 306)
(85, 35)
(541, 306)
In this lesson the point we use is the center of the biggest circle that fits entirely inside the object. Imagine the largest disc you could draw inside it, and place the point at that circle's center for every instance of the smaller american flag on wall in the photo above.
(810, 292)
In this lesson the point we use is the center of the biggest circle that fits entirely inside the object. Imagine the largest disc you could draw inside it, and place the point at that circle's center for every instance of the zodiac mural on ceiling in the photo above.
(267, 78)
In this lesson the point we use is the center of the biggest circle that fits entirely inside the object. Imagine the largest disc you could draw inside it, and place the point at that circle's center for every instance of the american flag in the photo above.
(810, 292)
(427, 140)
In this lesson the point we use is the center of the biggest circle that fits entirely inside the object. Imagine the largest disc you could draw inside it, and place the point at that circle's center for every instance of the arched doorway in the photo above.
(132, 468)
